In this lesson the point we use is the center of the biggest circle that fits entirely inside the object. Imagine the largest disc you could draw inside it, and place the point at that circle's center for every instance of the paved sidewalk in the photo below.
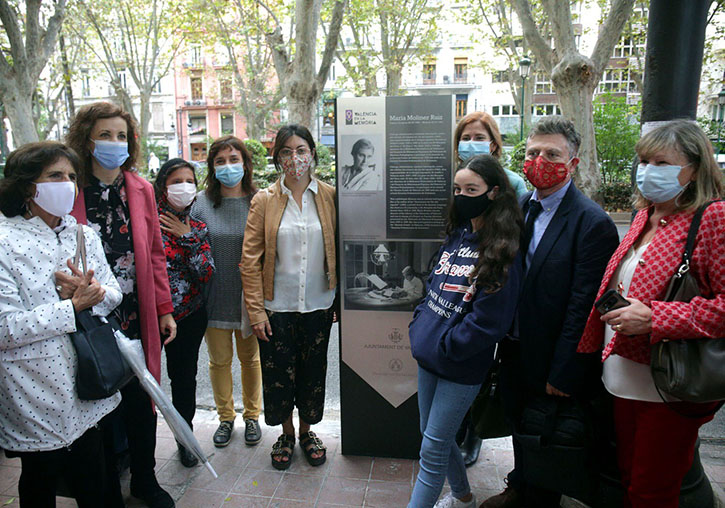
(247, 479)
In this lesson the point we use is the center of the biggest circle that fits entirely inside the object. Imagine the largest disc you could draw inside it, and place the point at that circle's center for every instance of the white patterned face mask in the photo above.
(56, 198)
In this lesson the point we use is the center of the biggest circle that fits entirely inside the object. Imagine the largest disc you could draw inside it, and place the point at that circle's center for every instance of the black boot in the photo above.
(471, 447)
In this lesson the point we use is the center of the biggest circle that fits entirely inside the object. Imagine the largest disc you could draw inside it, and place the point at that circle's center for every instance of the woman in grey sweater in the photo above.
(223, 206)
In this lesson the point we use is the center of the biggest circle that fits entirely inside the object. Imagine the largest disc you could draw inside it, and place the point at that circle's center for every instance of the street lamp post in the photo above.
(720, 113)
(524, 68)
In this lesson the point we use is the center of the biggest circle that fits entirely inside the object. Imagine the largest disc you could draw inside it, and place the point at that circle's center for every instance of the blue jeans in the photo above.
(442, 404)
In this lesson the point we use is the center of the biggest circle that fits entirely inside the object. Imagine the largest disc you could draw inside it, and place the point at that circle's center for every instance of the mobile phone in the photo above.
(609, 301)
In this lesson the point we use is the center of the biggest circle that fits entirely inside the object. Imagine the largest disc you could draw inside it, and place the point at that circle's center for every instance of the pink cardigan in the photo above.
(152, 280)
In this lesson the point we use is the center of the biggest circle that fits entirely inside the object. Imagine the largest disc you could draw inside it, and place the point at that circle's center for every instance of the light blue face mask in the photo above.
(229, 174)
(110, 154)
(467, 149)
(659, 183)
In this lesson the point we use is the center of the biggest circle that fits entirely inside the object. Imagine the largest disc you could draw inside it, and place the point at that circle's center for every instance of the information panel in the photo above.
(394, 160)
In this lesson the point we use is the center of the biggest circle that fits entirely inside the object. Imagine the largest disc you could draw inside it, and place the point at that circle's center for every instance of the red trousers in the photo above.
(655, 448)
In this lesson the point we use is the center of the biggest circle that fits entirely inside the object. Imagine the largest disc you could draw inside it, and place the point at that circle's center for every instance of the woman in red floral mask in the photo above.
(288, 274)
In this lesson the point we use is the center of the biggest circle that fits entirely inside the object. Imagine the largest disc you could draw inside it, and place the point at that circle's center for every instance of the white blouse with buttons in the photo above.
(39, 406)
(300, 280)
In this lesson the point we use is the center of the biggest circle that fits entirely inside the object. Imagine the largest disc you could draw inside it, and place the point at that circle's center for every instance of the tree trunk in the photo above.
(69, 101)
(301, 102)
(19, 109)
(575, 80)
(143, 123)
(393, 78)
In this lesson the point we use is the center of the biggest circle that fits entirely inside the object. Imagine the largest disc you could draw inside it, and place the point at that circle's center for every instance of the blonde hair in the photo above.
(688, 139)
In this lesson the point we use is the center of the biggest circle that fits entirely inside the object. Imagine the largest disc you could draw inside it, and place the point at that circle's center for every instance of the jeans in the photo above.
(182, 357)
(220, 342)
(442, 404)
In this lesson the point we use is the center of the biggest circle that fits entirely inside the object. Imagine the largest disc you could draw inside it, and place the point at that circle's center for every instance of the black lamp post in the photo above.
(720, 113)
(524, 68)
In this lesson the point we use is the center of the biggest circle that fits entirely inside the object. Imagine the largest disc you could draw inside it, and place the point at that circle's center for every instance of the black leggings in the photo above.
(81, 466)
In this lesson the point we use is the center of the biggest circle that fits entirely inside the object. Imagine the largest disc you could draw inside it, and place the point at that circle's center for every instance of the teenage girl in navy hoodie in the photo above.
(469, 306)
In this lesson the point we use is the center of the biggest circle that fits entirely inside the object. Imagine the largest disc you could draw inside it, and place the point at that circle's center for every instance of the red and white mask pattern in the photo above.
(296, 165)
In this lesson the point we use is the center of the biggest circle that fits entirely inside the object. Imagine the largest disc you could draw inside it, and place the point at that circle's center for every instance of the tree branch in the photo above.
(610, 32)
(331, 41)
(543, 52)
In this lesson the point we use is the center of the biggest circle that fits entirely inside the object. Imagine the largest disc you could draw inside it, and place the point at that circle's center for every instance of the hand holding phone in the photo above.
(609, 301)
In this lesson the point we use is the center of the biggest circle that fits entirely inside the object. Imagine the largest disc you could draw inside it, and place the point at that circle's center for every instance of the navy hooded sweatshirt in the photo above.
(457, 326)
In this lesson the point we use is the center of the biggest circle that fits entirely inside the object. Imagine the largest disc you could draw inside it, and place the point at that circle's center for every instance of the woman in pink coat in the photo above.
(655, 441)
(120, 206)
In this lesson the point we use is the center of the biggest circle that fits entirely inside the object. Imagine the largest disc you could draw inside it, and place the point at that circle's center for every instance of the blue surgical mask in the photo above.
(110, 154)
(229, 174)
(467, 149)
(659, 183)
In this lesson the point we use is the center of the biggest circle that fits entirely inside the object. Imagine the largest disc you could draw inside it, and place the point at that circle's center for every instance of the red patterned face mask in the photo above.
(544, 174)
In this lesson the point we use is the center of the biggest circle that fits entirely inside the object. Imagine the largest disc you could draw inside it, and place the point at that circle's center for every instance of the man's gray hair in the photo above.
(558, 125)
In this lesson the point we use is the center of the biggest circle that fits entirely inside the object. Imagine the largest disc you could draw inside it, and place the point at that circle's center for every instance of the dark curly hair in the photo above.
(79, 133)
(24, 166)
(214, 186)
(498, 239)
(166, 170)
(286, 132)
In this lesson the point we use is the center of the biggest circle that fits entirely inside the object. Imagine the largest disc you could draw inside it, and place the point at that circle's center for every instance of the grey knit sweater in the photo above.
(226, 232)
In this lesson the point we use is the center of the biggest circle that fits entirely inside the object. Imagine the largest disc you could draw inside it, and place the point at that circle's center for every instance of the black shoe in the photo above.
(152, 494)
(223, 434)
(188, 459)
(471, 448)
(252, 432)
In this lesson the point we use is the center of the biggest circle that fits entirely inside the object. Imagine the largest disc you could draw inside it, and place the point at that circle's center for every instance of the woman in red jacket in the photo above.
(677, 174)
(120, 206)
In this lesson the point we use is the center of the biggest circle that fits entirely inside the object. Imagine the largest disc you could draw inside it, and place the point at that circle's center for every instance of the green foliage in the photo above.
(515, 158)
(617, 196)
(714, 131)
(326, 164)
(258, 152)
(616, 126)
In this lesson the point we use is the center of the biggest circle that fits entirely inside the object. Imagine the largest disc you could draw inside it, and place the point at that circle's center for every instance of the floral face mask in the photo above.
(296, 165)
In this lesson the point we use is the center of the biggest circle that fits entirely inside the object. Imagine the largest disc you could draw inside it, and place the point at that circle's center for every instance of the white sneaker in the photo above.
(448, 501)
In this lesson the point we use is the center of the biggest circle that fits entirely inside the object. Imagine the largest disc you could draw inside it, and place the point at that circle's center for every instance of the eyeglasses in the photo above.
(288, 152)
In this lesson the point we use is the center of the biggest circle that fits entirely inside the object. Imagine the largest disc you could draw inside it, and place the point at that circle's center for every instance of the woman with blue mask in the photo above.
(120, 206)
(478, 134)
(223, 206)
(676, 176)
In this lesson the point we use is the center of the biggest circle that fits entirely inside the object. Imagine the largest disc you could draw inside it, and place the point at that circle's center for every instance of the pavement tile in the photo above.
(5, 461)
(350, 466)
(10, 501)
(392, 470)
(298, 487)
(288, 503)
(257, 483)
(175, 474)
(228, 476)
(9, 477)
(387, 494)
(194, 498)
(343, 491)
(239, 501)
(485, 477)
(166, 448)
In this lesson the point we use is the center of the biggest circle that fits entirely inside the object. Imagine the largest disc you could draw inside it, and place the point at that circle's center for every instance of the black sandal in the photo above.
(310, 443)
(284, 447)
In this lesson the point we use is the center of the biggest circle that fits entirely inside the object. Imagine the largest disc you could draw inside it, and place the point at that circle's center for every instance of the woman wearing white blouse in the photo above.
(42, 420)
(288, 274)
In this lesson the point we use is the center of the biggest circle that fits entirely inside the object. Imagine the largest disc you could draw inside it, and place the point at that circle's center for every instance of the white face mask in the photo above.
(181, 195)
(56, 198)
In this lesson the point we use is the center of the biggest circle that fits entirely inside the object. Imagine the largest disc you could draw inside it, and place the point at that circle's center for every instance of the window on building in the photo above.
(542, 83)
(505, 110)
(617, 81)
(629, 45)
(197, 87)
(157, 116)
(198, 152)
(461, 106)
(429, 72)
(460, 70)
(226, 120)
(226, 91)
(500, 77)
(197, 125)
(333, 76)
(546, 110)
(122, 78)
(157, 87)
(195, 56)
(85, 84)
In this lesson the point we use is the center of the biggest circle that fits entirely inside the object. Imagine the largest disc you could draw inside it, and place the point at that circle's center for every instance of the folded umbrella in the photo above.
(132, 351)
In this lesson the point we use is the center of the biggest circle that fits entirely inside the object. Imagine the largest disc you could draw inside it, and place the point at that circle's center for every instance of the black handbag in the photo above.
(101, 370)
(691, 370)
(487, 413)
(558, 440)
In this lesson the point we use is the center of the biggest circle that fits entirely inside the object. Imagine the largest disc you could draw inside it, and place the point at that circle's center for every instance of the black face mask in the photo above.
(470, 207)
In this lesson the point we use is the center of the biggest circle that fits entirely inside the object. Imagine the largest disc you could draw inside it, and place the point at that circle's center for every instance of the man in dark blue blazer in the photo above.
(568, 240)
